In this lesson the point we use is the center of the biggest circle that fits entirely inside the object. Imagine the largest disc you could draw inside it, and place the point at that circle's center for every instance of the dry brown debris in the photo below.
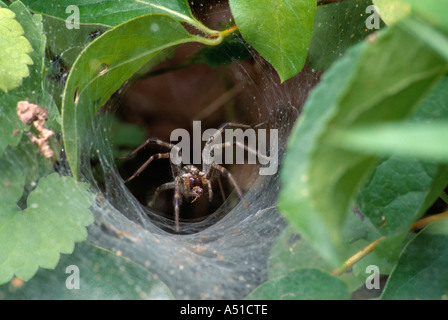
(31, 113)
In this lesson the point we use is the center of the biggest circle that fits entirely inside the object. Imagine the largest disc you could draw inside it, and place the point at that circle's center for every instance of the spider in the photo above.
(189, 181)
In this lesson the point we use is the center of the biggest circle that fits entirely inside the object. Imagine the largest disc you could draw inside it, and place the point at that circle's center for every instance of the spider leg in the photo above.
(210, 190)
(234, 125)
(144, 144)
(229, 176)
(163, 187)
(221, 189)
(177, 202)
(242, 146)
(153, 157)
(209, 183)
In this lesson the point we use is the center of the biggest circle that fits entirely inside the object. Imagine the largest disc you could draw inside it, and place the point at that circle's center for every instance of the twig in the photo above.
(425, 221)
(357, 256)
(369, 248)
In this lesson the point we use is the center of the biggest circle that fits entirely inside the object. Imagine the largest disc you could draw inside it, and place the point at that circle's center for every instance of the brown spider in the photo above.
(189, 181)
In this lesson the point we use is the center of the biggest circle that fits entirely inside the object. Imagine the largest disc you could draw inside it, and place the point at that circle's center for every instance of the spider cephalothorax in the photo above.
(189, 181)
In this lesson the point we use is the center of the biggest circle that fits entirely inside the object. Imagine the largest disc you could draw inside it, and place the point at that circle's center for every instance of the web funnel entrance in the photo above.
(223, 256)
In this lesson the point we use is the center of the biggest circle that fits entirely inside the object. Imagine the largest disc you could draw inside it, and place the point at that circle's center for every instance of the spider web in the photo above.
(225, 255)
(221, 257)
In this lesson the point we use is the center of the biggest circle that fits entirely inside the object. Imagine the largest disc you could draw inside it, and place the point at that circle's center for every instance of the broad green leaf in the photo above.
(14, 56)
(294, 199)
(418, 140)
(110, 12)
(434, 11)
(319, 180)
(392, 11)
(401, 189)
(421, 272)
(381, 91)
(337, 26)
(66, 44)
(22, 166)
(10, 124)
(398, 193)
(56, 216)
(302, 284)
(32, 88)
(279, 30)
(102, 274)
(291, 251)
(28, 157)
(423, 137)
(105, 65)
(12, 182)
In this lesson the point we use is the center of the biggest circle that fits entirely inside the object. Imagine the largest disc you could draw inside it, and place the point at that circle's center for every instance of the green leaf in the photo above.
(291, 251)
(320, 180)
(302, 284)
(105, 65)
(10, 124)
(418, 140)
(103, 275)
(434, 11)
(14, 58)
(111, 12)
(401, 189)
(22, 166)
(32, 88)
(50, 225)
(294, 200)
(392, 11)
(12, 182)
(279, 30)
(337, 26)
(421, 272)
(66, 44)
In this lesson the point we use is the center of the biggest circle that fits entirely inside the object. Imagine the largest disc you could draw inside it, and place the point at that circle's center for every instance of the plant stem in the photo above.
(208, 41)
(357, 256)
(369, 248)
(217, 37)
(228, 31)
(425, 221)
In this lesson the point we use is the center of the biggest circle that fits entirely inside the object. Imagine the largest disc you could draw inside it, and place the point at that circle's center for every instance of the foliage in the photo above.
(370, 139)
(105, 275)
(15, 51)
(362, 108)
